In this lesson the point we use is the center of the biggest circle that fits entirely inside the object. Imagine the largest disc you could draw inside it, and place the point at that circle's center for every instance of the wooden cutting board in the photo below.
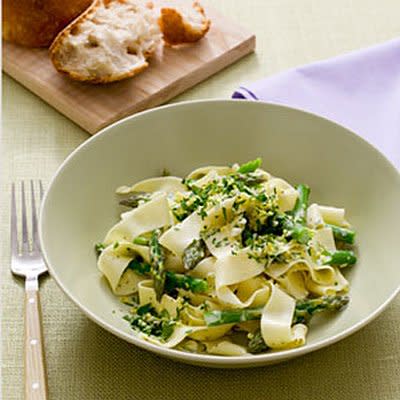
(171, 72)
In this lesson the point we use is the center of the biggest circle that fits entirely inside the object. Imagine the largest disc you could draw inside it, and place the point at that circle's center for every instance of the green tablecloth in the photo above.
(86, 362)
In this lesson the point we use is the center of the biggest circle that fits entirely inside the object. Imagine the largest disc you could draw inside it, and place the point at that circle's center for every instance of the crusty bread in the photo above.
(183, 23)
(35, 23)
(110, 41)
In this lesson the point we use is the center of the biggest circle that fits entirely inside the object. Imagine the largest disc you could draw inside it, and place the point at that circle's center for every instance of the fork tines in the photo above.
(28, 240)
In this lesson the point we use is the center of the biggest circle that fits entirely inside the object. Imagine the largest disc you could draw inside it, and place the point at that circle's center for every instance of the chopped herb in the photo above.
(225, 214)
(147, 320)
(99, 247)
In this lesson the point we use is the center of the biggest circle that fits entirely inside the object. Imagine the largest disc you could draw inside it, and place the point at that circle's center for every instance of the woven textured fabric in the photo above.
(86, 362)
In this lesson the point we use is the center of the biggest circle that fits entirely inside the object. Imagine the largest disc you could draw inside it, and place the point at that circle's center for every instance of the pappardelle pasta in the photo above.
(228, 261)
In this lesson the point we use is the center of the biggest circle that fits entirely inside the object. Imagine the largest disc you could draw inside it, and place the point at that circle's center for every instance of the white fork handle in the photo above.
(35, 368)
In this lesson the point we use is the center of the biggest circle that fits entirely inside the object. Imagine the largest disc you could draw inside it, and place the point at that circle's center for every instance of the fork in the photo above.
(27, 261)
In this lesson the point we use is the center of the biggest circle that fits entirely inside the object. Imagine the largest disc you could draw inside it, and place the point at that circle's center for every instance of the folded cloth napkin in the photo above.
(359, 90)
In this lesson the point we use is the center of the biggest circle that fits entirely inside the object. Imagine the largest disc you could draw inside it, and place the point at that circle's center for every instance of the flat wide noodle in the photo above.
(324, 238)
(168, 184)
(231, 269)
(323, 274)
(178, 237)
(225, 348)
(276, 322)
(333, 215)
(287, 194)
(113, 262)
(338, 285)
(226, 238)
(203, 171)
(204, 268)
(235, 269)
(314, 217)
(294, 283)
(147, 217)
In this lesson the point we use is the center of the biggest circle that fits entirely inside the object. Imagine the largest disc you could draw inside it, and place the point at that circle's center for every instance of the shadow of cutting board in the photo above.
(171, 72)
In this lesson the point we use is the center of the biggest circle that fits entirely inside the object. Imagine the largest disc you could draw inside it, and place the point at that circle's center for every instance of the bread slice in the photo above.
(110, 41)
(183, 23)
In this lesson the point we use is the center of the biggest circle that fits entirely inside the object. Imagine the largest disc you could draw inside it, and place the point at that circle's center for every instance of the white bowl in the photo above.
(341, 168)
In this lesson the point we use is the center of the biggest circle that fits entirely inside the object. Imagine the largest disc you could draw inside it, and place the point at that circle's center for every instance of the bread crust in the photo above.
(35, 23)
(177, 31)
(56, 49)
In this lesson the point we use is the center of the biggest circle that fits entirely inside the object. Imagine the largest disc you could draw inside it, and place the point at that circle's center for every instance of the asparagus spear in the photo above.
(157, 258)
(342, 258)
(193, 254)
(256, 342)
(343, 234)
(180, 281)
(297, 230)
(142, 241)
(301, 233)
(139, 266)
(295, 221)
(303, 311)
(172, 280)
(299, 210)
(220, 317)
(133, 200)
(250, 166)
(252, 179)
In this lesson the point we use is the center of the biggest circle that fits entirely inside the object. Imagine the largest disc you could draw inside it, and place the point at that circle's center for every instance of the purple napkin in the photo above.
(359, 90)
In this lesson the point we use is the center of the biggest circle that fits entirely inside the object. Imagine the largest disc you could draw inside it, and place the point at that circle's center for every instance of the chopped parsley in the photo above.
(147, 320)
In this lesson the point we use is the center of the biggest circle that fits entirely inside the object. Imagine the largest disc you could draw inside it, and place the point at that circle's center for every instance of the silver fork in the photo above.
(27, 261)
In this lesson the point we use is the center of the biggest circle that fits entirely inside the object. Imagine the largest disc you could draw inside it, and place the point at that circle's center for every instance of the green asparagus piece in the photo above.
(252, 179)
(305, 309)
(157, 258)
(139, 266)
(250, 166)
(179, 281)
(172, 280)
(256, 342)
(193, 254)
(299, 210)
(298, 231)
(142, 241)
(220, 317)
(342, 258)
(343, 234)
(301, 233)
(134, 199)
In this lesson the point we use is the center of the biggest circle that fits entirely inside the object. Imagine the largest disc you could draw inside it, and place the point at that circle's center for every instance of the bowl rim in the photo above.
(194, 358)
